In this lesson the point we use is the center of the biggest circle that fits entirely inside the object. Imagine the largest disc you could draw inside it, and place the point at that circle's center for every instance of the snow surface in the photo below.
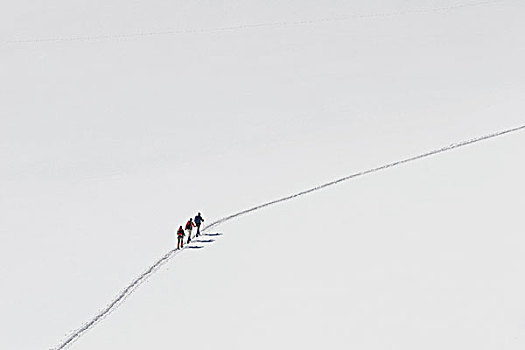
(120, 120)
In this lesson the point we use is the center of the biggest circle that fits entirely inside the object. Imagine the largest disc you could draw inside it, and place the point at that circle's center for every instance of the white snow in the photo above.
(110, 139)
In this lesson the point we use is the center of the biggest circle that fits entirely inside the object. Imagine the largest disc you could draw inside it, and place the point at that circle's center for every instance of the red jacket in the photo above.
(189, 224)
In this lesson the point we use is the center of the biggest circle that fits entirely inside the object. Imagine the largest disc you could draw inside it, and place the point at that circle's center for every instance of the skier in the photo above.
(198, 221)
(180, 238)
(189, 226)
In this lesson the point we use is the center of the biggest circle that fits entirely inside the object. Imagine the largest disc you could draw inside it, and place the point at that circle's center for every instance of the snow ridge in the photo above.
(253, 26)
(153, 268)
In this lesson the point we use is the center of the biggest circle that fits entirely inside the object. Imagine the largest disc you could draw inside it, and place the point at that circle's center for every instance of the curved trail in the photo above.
(145, 275)
(255, 25)
(366, 172)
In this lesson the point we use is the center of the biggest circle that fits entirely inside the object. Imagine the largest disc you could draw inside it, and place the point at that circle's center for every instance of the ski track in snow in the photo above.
(254, 26)
(126, 292)
(366, 172)
(145, 275)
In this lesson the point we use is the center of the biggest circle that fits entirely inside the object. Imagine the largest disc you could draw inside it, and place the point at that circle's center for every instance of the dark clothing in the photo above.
(199, 220)
(180, 238)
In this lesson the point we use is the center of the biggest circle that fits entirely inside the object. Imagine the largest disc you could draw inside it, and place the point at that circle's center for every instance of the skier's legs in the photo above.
(189, 236)
(198, 229)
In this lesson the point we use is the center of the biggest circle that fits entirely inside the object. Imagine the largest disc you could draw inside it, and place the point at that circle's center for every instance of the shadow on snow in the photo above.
(204, 241)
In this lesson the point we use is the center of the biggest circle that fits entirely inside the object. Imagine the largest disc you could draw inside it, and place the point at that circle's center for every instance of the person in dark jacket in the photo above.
(180, 238)
(198, 221)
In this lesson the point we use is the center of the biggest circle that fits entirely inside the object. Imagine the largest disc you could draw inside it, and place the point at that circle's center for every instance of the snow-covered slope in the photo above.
(111, 139)
(434, 263)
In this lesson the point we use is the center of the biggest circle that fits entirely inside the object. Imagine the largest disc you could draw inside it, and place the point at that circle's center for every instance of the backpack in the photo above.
(188, 225)
(180, 232)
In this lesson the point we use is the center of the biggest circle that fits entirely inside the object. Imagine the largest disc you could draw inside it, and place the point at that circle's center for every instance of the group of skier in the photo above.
(187, 229)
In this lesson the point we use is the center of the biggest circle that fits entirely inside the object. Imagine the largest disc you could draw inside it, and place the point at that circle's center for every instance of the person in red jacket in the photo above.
(180, 238)
(189, 226)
